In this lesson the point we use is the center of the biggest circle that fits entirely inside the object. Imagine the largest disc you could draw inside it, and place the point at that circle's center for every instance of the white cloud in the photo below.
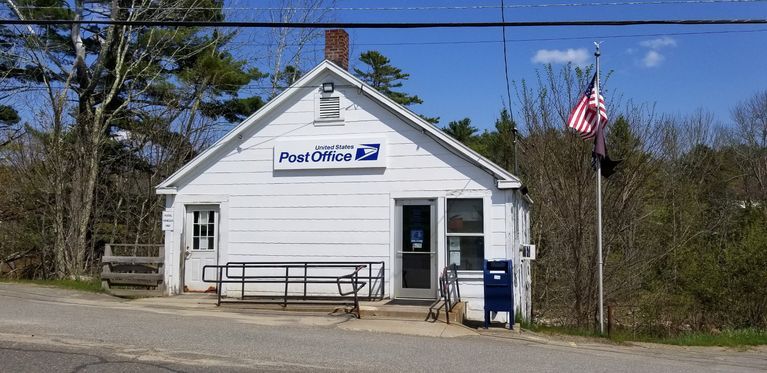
(576, 56)
(659, 43)
(652, 59)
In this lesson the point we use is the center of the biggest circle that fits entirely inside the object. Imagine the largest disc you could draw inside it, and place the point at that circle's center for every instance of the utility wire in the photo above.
(508, 89)
(505, 58)
(458, 42)
(381, 25)
(432, 8)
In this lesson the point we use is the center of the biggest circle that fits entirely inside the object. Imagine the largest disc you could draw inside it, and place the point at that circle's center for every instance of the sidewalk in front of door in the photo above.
(376, 316)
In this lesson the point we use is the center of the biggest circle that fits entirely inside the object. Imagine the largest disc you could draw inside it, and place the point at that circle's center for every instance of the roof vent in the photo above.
(330, 108)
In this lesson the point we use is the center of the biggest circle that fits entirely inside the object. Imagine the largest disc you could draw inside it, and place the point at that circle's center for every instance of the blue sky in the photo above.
(679, 73)
(460, 72)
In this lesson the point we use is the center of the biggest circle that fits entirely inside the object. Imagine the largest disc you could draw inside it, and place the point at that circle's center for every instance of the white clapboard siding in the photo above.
(499, 210)
(308, 238)
(497, 238)
(337, 200)
(339, 176)
(324, 187)
(494, 251)
(264, 150)
(498, 224)
(308, 251)
(309, 225)
(422, 162)
(329, 212)
(302, 130)
(272, 254)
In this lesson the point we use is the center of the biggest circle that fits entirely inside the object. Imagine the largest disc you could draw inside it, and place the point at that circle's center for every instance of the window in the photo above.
(204, 230)
(465, 233)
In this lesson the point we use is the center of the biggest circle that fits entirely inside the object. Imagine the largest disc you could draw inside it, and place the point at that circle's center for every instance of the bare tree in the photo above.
(287, 47)
(90, 89)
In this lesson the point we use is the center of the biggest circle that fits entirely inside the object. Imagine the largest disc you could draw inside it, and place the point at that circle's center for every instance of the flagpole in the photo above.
(599, 203)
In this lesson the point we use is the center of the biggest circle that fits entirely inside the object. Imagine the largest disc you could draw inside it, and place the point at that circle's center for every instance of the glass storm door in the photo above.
(416, 250)
(201, 241)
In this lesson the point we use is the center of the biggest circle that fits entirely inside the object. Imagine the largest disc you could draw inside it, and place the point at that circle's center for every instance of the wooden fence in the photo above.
(133, 269)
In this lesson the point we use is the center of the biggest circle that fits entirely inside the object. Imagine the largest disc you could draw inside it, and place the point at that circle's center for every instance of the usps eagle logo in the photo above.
(367, 152)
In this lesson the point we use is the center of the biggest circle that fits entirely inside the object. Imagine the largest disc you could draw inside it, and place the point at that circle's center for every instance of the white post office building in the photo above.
(333, 170)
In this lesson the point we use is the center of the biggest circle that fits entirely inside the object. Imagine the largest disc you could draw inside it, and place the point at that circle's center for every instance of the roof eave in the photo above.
(508, 184)
(166, 190)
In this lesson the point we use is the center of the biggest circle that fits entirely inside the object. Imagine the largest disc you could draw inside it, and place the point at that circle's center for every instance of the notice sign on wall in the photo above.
(330, 153)
(167, 220)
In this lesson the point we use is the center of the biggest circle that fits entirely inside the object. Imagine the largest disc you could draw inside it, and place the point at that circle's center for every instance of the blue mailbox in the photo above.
(499, 292)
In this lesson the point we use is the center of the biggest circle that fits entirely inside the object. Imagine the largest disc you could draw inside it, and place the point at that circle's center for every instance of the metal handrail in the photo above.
(448, 277)
(237, 272)
(354, 277)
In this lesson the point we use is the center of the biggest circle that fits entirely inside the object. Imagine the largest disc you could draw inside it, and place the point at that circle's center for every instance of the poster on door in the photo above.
(416, 238)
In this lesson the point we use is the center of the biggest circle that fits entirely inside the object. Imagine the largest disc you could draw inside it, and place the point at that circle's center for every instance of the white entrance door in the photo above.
(415, 267)
(201, 241)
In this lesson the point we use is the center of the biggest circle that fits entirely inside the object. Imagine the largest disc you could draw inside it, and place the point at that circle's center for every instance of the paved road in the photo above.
(53, 330)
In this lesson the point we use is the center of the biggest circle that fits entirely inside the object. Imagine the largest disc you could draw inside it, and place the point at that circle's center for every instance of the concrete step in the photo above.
(135, 293)
(399, 312)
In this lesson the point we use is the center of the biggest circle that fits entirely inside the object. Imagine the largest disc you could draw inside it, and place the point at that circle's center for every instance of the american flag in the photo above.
(583, 118)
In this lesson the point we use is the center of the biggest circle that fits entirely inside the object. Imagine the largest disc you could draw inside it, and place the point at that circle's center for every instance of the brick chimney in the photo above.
(337, 47)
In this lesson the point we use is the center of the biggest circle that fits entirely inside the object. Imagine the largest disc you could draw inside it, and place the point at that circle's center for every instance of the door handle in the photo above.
(187, 253)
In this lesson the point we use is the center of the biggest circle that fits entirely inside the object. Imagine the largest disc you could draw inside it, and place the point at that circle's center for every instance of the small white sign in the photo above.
(455, 258)
(167, 220)
(330, 153)
(454, 243)
(528, 252)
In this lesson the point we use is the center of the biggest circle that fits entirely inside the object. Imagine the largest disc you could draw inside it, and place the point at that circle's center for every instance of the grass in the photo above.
(93, 286)
(725, 338)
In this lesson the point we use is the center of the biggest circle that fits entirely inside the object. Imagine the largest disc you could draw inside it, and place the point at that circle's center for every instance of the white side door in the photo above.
(201, 241)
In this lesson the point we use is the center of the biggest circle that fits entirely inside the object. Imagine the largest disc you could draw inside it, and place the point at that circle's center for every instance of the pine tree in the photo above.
(461, 130)
(149, 83)
(385, 78)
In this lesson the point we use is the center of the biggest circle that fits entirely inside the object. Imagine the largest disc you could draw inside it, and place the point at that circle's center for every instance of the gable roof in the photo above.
(505, 180)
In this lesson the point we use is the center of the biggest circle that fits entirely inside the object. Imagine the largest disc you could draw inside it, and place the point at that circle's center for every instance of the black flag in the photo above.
(600, 154)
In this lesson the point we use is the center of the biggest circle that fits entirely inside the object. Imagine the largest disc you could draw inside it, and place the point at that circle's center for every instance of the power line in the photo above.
(469, 42)
(459, 42)
(508, 89)
(505, 57)
(381, 25)
(433, 8)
